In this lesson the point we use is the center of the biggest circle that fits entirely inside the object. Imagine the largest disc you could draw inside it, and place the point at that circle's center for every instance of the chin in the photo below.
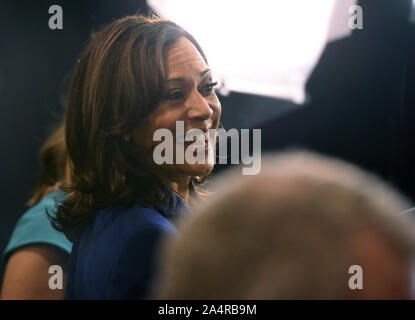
(197, 169)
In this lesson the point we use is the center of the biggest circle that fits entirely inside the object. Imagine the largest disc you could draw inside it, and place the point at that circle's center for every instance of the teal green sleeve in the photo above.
(35, 227)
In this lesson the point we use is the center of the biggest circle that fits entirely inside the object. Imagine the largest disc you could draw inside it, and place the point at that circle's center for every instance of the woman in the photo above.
(34, 245)
(135, 76)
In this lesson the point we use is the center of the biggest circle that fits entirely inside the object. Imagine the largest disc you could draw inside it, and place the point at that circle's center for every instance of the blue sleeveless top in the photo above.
(34, 227)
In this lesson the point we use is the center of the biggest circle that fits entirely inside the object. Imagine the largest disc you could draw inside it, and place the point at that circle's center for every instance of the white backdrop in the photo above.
(261, 47)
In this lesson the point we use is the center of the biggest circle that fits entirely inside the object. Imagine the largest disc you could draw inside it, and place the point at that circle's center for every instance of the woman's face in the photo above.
(188, 97)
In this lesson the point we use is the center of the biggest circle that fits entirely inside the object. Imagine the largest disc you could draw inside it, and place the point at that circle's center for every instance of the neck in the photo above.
(176, 181)
(181, 188)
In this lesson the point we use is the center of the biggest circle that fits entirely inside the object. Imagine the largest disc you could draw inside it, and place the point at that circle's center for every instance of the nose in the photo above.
(199, 108)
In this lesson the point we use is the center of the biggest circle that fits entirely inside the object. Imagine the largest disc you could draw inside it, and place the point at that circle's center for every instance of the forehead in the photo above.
(182, 58)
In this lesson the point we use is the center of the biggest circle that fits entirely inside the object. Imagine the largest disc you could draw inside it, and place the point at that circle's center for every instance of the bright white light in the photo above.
(260, 47)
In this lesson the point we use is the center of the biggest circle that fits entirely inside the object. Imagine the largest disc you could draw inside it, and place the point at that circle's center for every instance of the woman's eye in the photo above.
(175, 95)
(209, 87)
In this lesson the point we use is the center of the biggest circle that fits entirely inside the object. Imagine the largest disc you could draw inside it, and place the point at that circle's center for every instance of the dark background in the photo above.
(360, 106)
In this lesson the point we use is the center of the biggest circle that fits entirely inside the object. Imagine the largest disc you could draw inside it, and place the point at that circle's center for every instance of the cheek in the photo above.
(167, 120)
(163, 119)
(142, 137)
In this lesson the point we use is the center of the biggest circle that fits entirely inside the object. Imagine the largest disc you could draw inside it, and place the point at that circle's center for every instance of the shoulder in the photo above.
(117, 251)
(34, 226)
(128, 222)
(117, 230)
(48, 204)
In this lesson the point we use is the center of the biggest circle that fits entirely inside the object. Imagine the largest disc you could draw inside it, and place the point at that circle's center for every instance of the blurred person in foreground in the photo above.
(293, 232)
(35, 245)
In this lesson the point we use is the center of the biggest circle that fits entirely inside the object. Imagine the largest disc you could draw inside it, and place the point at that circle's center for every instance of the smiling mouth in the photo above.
(205, 143)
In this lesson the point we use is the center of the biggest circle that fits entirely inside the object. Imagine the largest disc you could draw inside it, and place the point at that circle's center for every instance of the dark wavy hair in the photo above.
(117, 82)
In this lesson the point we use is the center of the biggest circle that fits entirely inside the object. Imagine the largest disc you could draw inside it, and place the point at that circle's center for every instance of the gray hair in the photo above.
(283, 234)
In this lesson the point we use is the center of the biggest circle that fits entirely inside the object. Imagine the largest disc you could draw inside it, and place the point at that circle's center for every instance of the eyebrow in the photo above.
(183, 79)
